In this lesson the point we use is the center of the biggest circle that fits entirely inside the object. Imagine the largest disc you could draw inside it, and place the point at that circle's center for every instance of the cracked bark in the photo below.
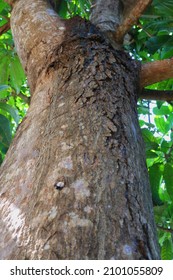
(75, 176)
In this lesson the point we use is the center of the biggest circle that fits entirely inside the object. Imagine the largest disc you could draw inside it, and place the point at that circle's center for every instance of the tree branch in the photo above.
(106, 14)
(165, 229)
(33, 33)
(151, 94)
(131, 17)
(5, 27)
(156, 71)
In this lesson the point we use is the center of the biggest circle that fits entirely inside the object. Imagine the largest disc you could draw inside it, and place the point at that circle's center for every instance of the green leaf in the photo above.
(163, 125)
(2, 6)
(17, 75)
(157, 42)
(155, 175)
(164, 110)
(4, 87)
(159, 104)
(167, 250)
(5, 131)
(4, 74)
(4, 70)
(3, 149)
(165, 146)
(170, 121)
(11, 110)
(150, 154)
(164, 196)
(148, 135)
(167, 54)
(1, 158)
(63, 9)
(164, 8)
(150, 140)
(159, 25)
(143, 110)
(82, 5)
(168, 178)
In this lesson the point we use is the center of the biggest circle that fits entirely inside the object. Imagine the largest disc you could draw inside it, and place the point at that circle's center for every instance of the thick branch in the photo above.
(156, 71)
(150, 94)
(106, 14)
(5, 27)
(153, 72)
(42, 29)
(115, 18)
(130, 18)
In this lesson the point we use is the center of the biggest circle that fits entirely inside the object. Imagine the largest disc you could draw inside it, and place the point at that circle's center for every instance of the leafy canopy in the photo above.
(151, 39)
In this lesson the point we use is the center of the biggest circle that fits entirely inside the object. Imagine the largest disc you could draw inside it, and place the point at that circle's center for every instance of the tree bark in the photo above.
(74, 184)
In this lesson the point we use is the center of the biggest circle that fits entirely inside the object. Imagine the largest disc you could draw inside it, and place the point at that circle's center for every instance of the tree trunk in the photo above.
(74, 183)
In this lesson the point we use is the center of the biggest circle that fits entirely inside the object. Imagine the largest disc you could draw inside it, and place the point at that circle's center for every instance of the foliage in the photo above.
(12, 86)
(151, 39)
(71, 8)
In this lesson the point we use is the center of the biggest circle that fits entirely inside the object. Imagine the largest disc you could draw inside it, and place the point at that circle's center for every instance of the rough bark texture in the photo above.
(109, 15)
(106, 14)
(74, 184)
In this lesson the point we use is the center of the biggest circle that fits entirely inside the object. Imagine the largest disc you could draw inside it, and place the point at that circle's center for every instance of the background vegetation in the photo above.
(151, 39)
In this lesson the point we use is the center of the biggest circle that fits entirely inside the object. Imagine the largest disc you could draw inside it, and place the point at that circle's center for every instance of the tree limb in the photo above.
(151, 94)
(106, 14)
(165, 229)
(5, 27)
(156, 71)
(42, 29)
(131, 17)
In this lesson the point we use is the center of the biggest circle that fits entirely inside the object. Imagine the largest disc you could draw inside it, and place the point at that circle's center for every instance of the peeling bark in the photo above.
(74, 184)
